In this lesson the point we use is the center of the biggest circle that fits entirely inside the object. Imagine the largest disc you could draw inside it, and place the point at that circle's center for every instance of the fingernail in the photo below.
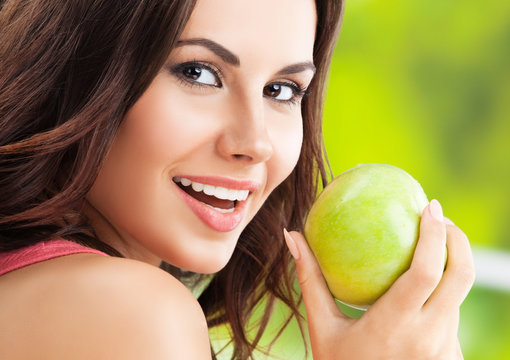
(291, 244)
(435, 210)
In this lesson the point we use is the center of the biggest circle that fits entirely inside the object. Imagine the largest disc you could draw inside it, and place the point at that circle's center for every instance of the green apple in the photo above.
(363, 230)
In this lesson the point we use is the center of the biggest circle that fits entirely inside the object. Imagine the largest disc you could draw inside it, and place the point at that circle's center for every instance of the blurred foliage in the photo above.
(484, 328)
(425, 86)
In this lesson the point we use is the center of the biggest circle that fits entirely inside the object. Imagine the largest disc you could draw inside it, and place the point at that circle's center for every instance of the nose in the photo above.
(245, 136)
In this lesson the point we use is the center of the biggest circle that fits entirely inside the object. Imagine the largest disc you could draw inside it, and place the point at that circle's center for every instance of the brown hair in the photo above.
(70, 70)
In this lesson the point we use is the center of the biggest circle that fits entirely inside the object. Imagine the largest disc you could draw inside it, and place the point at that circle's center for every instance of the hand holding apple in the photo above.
(416, 318)
(363, 230)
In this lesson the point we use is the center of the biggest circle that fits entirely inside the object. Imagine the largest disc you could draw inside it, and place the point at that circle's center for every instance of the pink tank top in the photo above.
(44, 250)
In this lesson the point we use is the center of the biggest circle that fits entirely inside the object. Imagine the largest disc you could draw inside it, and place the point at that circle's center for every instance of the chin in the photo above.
(210, 265)
(205, 259)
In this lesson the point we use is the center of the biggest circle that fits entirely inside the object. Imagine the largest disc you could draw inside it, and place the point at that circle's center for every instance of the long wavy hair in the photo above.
(69, 72)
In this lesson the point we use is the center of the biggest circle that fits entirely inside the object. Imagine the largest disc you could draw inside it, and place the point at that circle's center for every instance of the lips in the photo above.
(219, 202)
(222, 205)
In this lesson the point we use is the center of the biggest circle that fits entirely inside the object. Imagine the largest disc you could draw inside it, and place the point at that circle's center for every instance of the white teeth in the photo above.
(224, 211)
(184, 181)
(209, 189)
(216, 191)
(221, 193)
(197, 186)
(243, 195)
(234, 195)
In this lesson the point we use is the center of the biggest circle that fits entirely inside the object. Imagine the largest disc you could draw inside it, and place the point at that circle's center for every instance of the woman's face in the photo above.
(217, 130)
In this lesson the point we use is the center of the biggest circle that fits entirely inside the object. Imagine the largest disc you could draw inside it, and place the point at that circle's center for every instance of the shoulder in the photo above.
(105, 307)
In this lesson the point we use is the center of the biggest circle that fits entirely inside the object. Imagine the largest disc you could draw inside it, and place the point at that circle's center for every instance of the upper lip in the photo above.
(229, 183)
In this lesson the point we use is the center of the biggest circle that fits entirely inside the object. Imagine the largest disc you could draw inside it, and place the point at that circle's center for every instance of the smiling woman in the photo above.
(222, 113)
(159, 133)
(142, 136)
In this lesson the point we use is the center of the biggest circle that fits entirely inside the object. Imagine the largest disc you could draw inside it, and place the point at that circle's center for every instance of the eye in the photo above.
(200, 75)
(289, 93)
(197, 74)
(279, 92)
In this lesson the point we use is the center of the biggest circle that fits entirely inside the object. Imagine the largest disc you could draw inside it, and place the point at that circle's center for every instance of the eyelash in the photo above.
(298, 91)
(177, 71)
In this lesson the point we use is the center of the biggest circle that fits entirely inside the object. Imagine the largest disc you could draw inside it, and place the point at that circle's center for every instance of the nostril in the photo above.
(242, 157)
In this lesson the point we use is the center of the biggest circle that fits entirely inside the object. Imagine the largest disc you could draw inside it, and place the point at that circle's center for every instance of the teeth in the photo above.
(224, 211)
(209, 189)
(197, 186)
(221, 193)
(243, 194)
(216, 191)
(233, 195)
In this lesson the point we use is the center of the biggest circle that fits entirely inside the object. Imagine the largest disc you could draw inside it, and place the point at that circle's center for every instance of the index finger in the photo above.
(319, 303)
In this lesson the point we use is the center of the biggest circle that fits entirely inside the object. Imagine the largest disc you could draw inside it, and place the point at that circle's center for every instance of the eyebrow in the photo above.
(223, 53)
(297, 68)
(230, 58)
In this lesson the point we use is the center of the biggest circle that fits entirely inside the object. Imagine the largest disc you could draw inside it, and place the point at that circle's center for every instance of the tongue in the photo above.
(207, 199)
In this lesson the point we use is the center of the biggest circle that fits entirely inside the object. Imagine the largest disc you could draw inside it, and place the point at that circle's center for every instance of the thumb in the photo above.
(319, 303)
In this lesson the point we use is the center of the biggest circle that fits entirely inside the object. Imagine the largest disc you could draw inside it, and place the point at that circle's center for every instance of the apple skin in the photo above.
(363, 230)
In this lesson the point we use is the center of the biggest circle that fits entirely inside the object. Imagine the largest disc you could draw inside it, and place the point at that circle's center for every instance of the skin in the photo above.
(127, 308)
(237, 131)
(179, 128)
(87, 306)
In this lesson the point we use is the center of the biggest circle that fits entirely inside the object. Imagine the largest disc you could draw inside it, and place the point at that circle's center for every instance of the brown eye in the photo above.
(280, 92)
(197, 74)
(192, 72)
(272, 90)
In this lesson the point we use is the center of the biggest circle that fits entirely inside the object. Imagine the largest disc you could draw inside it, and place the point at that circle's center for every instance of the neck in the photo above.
(126, 245)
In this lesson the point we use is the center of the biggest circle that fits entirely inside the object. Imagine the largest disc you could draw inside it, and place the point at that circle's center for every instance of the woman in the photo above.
(180, 135)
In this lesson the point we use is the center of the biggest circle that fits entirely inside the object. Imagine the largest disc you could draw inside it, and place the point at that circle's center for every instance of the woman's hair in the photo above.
(69, 72)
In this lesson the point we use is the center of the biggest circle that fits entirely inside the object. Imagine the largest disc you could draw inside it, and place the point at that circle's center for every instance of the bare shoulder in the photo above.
(104, 307)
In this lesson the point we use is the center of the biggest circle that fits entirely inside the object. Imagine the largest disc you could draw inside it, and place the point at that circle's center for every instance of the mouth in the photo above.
(220, 203)
(220, 198)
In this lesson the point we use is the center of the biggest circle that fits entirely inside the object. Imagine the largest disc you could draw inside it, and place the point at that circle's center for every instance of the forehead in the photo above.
(280, 29)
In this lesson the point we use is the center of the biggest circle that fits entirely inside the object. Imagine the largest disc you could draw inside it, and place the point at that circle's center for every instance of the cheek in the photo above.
(143, 147)
(160, 130)
(287, 142)
(132, 189)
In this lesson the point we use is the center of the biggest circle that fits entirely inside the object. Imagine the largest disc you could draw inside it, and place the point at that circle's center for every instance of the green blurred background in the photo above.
(425, 86)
